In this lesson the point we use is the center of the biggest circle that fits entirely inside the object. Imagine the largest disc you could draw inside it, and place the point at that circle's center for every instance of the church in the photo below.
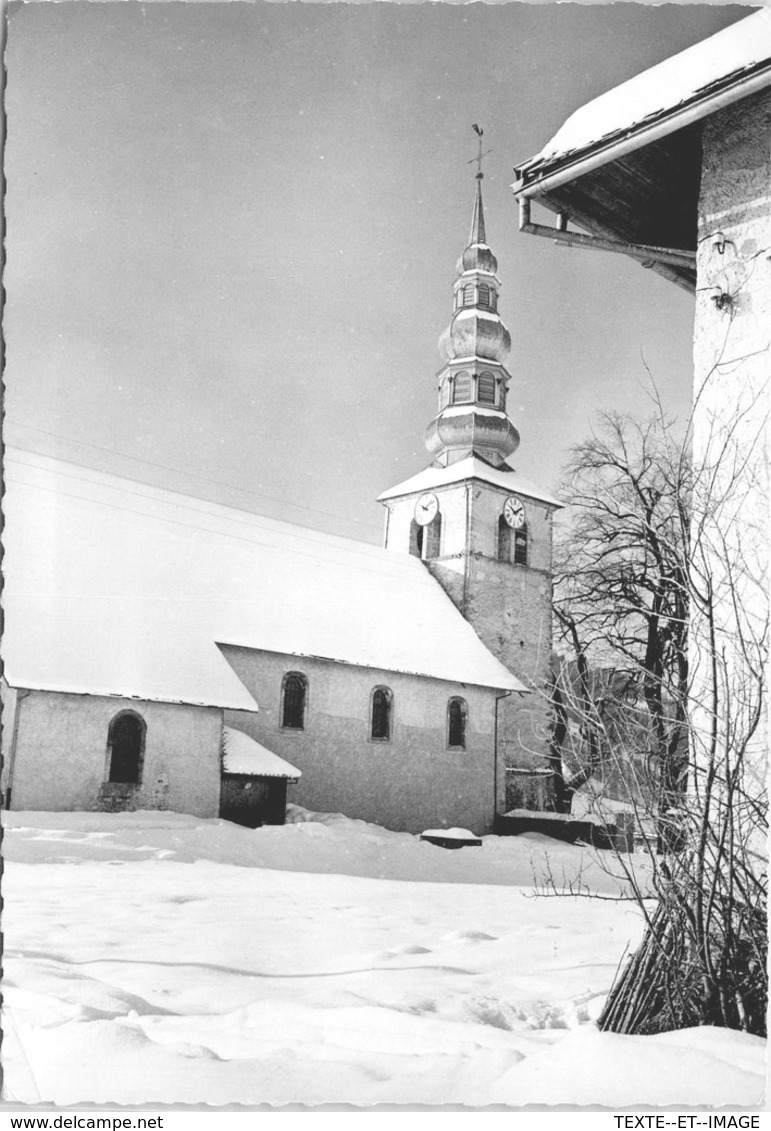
(166, 652)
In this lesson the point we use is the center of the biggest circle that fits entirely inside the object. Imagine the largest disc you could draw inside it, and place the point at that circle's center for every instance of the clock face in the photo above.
(425, 509)
(514, 512)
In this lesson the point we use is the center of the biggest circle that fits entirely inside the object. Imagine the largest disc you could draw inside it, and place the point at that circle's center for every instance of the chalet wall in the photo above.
(60, 760)
(410, 783)
(732, 355)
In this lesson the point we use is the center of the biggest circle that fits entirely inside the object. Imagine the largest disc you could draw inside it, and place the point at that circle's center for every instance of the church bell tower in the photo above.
(483, 530)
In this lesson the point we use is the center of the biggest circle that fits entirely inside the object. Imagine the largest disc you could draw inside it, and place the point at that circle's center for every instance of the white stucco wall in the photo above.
(60, 760)
(732, 356)
(410, 783)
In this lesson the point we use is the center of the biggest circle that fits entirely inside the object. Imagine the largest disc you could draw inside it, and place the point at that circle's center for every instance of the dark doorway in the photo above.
(253, 801)
(126, 743)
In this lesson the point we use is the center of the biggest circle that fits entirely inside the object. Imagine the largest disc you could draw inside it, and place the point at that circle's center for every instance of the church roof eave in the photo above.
(502, 680)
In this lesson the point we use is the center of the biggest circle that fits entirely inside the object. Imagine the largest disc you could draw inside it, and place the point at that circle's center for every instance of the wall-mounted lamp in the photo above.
(719, 242)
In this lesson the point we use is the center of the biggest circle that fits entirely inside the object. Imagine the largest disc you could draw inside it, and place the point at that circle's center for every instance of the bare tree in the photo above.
(621, 602)
(661, 609)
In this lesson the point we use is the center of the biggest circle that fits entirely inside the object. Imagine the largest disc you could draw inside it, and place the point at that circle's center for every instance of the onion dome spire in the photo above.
(473, 383)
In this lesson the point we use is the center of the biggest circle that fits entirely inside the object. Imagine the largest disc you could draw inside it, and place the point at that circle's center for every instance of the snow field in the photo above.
(159, 958)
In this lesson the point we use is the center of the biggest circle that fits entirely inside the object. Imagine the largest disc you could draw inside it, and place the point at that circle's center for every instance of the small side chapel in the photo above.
(166, 652)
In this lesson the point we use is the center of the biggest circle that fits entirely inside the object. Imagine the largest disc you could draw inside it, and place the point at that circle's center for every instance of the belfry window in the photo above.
(468, 294)
(416, 539)
(504, 540)
(457, 715)
(126, 746)
(380, 714)
(294, 700)
(520, 545)
(486, 388)
(432, 538)
(461, 388)
(484, 296)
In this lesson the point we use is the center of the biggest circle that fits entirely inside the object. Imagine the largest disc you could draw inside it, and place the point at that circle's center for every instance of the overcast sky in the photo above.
(232, 230)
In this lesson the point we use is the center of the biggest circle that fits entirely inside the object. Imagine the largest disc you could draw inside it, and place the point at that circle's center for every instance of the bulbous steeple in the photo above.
(473, 383)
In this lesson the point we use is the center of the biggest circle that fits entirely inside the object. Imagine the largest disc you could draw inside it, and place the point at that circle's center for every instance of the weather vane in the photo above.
(478, 159)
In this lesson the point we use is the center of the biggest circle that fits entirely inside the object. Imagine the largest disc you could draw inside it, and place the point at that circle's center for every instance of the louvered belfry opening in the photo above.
(504, 540)
(486, 388)
(520, 545)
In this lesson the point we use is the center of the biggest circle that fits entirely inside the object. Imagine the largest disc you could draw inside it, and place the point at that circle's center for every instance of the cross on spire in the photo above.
(478, 159)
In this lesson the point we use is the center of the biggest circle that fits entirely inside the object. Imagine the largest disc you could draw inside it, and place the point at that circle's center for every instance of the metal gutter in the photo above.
(640, 135)
(647, 254)
(590, 224)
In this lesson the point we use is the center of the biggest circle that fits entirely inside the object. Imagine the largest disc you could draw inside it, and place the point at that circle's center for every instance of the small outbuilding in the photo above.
(254, 781)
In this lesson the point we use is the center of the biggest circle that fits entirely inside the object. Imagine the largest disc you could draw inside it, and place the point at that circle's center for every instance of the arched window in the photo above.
(484, 296)
(461, 387)
(520, 545)
(126, 746)
(468, 294)
(504, 540)
(416, 539)
(486, 388)
(380, 714)
(294, 701)
(432, 538)
(457, 715)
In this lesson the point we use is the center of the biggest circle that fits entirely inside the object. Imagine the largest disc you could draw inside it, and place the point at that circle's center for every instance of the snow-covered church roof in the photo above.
(114, 587)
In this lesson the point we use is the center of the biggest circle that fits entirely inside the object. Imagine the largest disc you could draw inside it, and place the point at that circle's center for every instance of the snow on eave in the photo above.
(508, 682)
(471, 468)
(62, 687)
(476, 312)
(687, 87)
(469, 406)
(244, 755)
(478, 271)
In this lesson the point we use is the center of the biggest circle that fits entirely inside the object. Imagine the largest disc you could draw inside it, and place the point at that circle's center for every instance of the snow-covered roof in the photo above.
(117, 588)
(718, 67)
(242, 755)
(471, 468)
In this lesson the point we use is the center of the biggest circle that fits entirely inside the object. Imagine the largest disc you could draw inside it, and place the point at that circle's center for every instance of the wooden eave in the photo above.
(649, 196)
(641, 184)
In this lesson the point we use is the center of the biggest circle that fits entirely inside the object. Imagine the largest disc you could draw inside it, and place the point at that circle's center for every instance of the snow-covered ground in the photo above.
(152, 957)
